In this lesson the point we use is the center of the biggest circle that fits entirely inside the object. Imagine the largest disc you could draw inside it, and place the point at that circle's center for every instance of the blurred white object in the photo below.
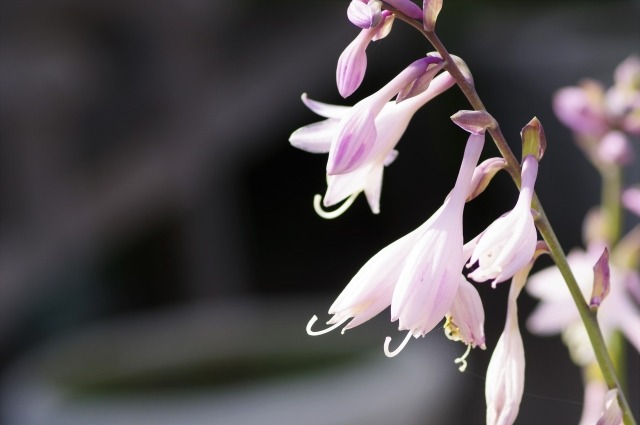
(368, 388)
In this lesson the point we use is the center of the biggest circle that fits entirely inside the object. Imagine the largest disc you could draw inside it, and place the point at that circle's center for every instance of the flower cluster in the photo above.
(425, 277)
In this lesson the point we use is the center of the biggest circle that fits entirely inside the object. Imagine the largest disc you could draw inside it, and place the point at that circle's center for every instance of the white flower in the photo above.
(509, 243)
(391, 123)
(557, 313)
(505, 374)
(419, 275)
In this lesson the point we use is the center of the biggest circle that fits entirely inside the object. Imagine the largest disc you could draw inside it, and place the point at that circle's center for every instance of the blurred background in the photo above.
(159, 253)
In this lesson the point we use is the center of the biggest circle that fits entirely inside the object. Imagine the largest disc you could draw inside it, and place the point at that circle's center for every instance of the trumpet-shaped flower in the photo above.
(509, 242)
(357, 131)
(419, 275)
(465, 320)
(391, 122)
(505, 373)
(557, 313)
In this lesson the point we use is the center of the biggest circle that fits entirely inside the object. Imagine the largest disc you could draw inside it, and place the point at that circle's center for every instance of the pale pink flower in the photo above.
(505, 373)
(595, 391)
(391, 122)
(419, 275)
(465, 319)
(429, 280)
(509, 243)
(582, 108)
(557, 312)
(357, 131)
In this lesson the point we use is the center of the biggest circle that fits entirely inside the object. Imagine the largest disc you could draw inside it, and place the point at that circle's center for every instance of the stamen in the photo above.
(462, 359)
(397, 350)
(314, 319)
(317, 206)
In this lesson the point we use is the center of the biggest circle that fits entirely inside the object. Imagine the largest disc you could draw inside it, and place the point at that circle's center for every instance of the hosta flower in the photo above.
(465, 320)
(505, 373)
(601, 118)
(419, 275)
(557, 313)
(509, 242)
(357, 131)
(391, 122)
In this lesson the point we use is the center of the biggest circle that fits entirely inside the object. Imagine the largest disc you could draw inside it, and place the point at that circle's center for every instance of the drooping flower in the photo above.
(419, 275)
(465, 320)
(505, 373)
(357, 131)
(391, 122)
(509, 243)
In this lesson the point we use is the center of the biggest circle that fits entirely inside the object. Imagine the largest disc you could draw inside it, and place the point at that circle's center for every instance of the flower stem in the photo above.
(542, 222)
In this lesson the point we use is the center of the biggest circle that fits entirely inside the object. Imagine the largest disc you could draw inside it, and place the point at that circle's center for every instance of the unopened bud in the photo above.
(601, 281)
(431, 9)
(421, 83)
(483, 174)
(533, 140)
(475, 122)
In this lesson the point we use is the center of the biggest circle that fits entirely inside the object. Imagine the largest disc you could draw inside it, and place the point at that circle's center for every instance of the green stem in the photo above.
(542, 222)
(611, 202)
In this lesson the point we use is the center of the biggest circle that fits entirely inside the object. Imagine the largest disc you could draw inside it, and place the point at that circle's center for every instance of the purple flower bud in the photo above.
(483, 174)
(365, 14)
(601, 280)
(475, 122)
(534, 141)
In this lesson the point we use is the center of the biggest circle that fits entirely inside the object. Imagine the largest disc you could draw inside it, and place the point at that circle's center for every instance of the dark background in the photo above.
(144, 165)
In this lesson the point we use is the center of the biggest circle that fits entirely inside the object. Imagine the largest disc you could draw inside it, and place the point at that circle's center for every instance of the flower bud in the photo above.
(601, 281)
(483, 174)
(534, 141)
(421, 83)
(474, 122)
(365, 15)
(431, 9)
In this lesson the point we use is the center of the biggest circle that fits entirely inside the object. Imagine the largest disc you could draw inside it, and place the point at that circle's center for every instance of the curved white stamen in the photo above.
(335, 213)
(314, 319)
(397, 350)
(463, 359)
